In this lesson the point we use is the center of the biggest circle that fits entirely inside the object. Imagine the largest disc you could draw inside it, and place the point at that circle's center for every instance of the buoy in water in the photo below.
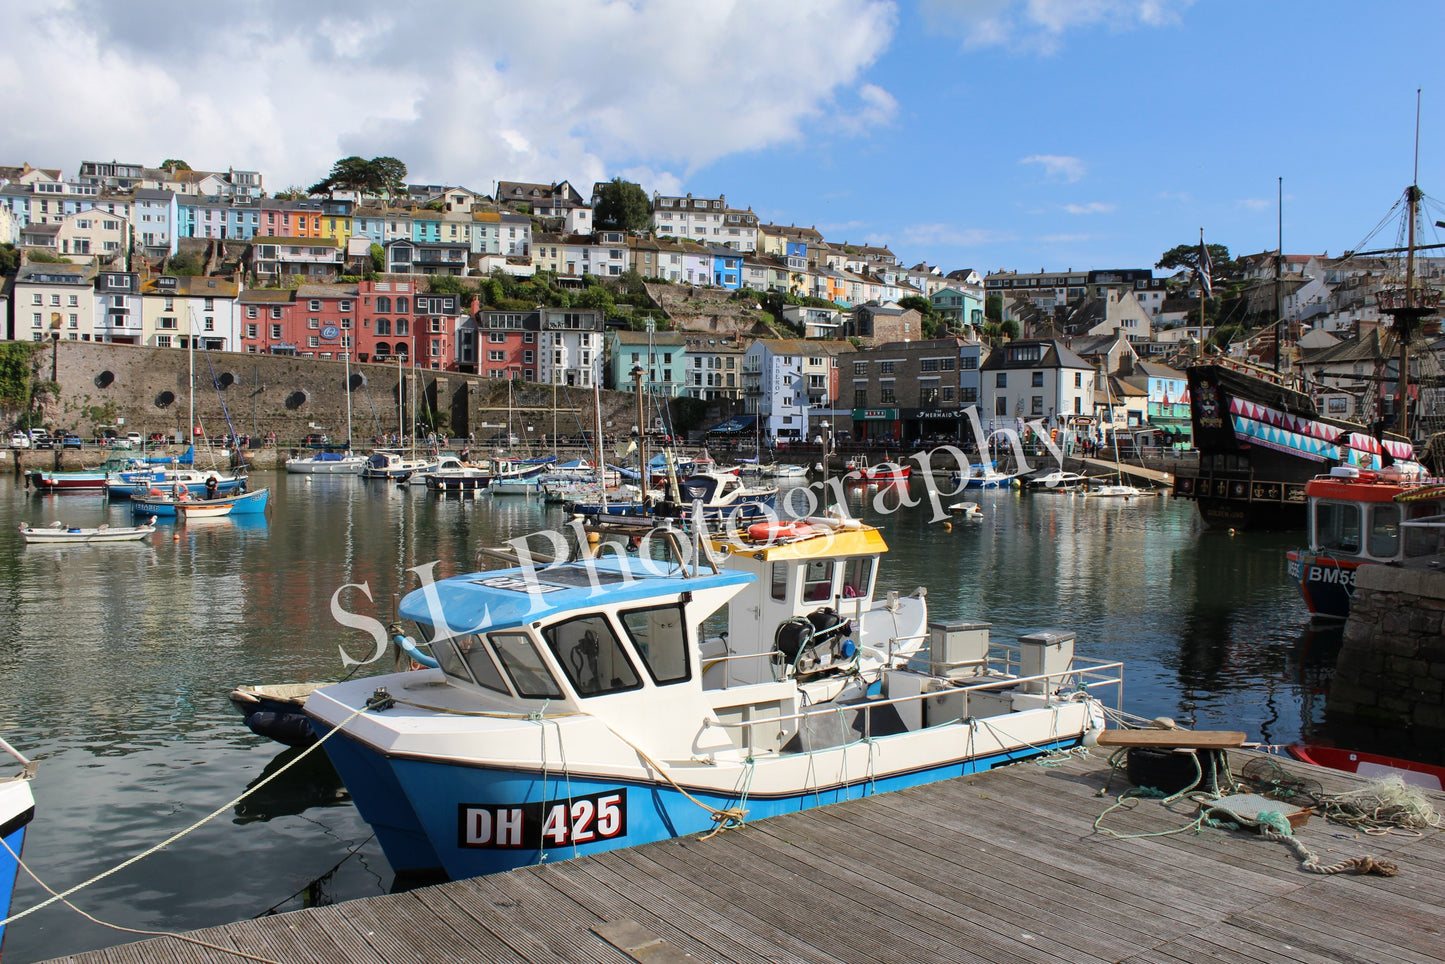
(948, 527)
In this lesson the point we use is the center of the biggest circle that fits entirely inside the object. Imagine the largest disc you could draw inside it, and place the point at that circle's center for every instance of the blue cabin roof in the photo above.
(507, 598)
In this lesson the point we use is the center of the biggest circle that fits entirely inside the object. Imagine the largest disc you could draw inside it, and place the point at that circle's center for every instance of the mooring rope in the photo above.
(63, 896)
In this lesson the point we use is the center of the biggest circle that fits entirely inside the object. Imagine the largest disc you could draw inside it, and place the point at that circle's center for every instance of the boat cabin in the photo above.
(1377, 519)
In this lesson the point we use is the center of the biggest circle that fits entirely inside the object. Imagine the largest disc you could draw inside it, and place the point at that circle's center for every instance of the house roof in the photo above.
(1365, 348)
(299, 242)
(326, 291)
(800, 346)
(1054, 355)
(266, 296)
(668, 339)
(64, 274)
(148, 194)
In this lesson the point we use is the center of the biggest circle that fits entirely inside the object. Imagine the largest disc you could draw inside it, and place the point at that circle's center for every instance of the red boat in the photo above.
(880, 473)
(1424, 775)
(1358, 517)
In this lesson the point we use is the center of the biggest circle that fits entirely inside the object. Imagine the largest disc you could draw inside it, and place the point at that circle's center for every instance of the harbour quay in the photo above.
(1001, 866)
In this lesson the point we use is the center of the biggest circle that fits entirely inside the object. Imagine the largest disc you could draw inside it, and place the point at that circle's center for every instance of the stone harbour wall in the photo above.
(1388, 691)
(143, 389)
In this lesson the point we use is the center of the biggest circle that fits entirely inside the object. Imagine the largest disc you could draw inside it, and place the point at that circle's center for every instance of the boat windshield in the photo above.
(1337, 526)
(659, 635)
(1424, 536)
(591, 655)
(523, 663)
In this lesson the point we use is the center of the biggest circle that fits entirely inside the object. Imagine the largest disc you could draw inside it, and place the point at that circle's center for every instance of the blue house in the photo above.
(727, 267)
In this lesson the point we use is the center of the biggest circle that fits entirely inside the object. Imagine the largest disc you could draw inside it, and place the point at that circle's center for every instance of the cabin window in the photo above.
(530, 676)
(1384, 531)
(857, 576)
(445, 651)
(780, 580)
(591, 656)
(818, 580)
(659, 637)
(1337, 526)
(479, 661)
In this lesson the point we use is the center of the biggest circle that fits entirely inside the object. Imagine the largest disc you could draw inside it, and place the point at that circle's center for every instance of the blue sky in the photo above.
(992, 134)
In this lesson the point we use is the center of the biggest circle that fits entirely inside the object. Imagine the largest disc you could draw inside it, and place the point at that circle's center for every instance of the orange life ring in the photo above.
(761, 531)
(180, 489)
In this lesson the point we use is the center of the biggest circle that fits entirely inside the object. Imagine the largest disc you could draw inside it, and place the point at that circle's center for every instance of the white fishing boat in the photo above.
(59, 533)
(1114, 490)
(389, 464)
(327, 463)
(579, 708)
(441, 464)
(969, 510)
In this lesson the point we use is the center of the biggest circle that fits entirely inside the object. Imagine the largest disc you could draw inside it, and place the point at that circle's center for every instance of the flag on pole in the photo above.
(1205, 268)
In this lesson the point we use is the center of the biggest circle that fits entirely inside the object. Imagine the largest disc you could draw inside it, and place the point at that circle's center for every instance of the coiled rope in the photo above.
(63, 896)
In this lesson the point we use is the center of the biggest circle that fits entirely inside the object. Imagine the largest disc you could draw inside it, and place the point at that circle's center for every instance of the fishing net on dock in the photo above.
(1266, 777)
(1382, 806)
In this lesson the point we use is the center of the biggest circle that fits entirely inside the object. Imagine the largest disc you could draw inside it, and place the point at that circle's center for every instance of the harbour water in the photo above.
(116, 662)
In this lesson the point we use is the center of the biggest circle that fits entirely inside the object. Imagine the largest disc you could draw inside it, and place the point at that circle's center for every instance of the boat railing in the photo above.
(28, 766)
(1080, 680)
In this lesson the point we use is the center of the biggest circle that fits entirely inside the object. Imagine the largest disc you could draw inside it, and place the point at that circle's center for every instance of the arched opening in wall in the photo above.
(105, 379)
(296, 399)
(165, 399)
(357, 381)
(225, 380)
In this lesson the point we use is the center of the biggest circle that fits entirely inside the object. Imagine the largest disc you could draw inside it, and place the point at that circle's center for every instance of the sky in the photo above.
(993, 134)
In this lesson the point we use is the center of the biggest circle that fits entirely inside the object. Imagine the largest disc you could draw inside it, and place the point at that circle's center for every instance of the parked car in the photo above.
(70, 441)
(135, 439)
(19, 440)
(42, 440)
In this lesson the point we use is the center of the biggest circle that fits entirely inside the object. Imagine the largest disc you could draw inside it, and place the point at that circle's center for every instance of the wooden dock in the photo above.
(997, 868)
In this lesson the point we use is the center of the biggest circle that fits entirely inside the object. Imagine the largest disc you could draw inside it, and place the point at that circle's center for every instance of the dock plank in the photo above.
(990, 868)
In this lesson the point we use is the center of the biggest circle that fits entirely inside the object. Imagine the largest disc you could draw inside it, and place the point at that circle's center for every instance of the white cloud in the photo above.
(1057, 167)
(1093, 207)
(1038, 26)
(545, 90)
(928, 235)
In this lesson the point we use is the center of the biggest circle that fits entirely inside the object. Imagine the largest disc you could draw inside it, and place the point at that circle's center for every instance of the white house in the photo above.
(785, 380)
(54, 299)
(1035, 378)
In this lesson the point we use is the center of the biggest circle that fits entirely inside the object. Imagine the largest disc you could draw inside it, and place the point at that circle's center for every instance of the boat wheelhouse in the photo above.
(1387, 517)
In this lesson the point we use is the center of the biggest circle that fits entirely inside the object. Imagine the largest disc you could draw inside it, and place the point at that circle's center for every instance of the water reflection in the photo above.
(309, 780)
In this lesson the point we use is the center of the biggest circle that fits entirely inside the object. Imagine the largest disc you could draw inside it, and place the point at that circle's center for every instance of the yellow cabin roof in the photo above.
(821, 544)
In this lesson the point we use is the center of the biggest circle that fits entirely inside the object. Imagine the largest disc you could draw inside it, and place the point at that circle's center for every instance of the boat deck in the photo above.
(995, 868)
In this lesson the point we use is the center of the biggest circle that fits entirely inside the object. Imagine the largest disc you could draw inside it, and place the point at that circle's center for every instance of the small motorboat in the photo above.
(1426, 775)
(1057, 482)
(1114, 491)
(59, 532)
(883, 472)
(203, 510)
(969, 510)
(275, 711)
(327, 463)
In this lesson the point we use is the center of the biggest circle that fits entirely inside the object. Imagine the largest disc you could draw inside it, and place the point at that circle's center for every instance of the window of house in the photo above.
(1037, 380)
(1000, 405)
(250, 331)
(275, 331)
(1038, 405)
(1001, 380)
(885, 393)
(313, 341)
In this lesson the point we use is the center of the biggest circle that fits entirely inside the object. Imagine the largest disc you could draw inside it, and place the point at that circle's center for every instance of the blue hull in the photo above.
(124, 490)
(9, 871)
(471, 821)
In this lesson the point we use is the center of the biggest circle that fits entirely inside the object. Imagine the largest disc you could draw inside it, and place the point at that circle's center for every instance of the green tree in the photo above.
(378, 176)
(9, 259)
(1009, 327)
(993, 308)
(622, 205)
(1222, 266)
(186, 265)
(174, 164)
(596, 296)
(293, 193)
(449, 284)
(378, 258)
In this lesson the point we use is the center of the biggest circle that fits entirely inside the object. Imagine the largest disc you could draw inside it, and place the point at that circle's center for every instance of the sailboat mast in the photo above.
(1404, 321)
(1278, 259)
(597, 439)
(191, 375)
(348, 401)
(400, 405)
